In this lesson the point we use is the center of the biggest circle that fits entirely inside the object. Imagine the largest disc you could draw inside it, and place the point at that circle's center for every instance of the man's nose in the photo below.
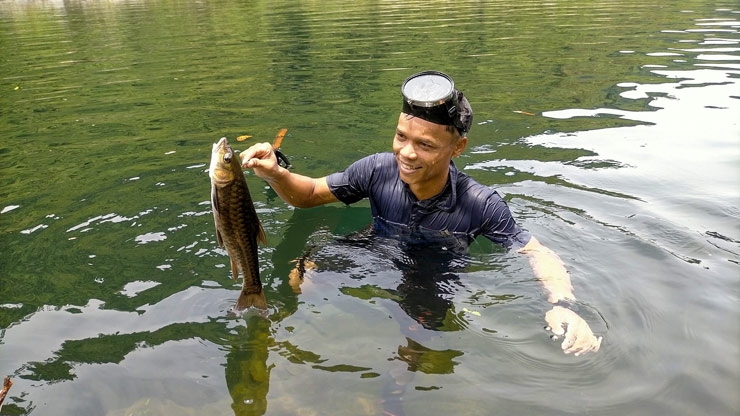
(408, 152)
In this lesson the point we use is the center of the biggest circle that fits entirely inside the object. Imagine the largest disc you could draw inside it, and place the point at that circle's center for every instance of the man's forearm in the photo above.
(549, 269)
(300, 191)
(297, 190)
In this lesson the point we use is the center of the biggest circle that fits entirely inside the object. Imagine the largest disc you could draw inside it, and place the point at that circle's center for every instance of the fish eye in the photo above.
(227, 157)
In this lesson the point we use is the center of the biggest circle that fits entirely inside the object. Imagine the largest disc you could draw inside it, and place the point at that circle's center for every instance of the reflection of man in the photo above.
(417, 191)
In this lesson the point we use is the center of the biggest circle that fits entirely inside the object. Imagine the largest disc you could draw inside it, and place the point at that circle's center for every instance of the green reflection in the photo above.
(247, 373)
(426, 360)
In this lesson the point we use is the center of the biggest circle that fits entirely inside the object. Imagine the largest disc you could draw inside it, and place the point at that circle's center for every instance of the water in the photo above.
(612, 128)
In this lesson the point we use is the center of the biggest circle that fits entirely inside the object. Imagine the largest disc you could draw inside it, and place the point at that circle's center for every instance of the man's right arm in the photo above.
(297, 190)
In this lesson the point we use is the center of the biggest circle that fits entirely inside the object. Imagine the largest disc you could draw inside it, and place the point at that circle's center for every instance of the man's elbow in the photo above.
(532, 246)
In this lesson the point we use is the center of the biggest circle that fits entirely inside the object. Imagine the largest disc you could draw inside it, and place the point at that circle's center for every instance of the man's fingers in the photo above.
(595, 347)
(259, 156)
(584, 345)
(256, 152)
(591, 348)
(568, 342)
(246, 159)
(252, 163)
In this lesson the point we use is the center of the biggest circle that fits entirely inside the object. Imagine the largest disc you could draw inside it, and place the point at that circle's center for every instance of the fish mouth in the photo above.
(221, 143)
(215, 170)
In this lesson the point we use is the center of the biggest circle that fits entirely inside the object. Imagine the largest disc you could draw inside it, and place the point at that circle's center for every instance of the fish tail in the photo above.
(246, 300)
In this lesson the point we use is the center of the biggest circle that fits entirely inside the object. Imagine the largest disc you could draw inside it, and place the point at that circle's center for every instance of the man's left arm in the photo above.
(550, 270)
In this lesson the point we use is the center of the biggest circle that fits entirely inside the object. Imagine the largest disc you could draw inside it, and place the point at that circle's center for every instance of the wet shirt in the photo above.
(464, 210)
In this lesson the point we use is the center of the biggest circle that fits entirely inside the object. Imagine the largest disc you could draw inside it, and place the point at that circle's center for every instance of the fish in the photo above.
(238, 229)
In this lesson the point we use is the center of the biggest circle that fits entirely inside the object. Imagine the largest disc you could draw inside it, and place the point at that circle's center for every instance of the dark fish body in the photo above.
(238, 228)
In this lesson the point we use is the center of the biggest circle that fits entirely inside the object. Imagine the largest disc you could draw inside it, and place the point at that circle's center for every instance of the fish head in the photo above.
(224, 162)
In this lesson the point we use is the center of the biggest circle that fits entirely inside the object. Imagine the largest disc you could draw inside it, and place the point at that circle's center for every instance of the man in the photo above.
(418, 190)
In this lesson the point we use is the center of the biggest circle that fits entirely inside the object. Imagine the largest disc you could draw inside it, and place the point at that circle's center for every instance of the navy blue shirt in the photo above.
(464, 210)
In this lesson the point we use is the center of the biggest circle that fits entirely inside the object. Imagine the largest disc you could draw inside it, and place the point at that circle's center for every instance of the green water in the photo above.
(610, 126)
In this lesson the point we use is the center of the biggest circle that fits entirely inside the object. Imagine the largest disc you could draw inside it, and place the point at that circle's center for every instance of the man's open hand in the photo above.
(578, 337)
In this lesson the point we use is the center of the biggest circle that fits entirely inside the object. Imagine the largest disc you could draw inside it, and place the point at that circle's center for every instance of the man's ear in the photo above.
(460, 146)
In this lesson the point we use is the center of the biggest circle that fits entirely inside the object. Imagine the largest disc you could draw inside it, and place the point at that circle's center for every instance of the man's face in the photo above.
(423, 151)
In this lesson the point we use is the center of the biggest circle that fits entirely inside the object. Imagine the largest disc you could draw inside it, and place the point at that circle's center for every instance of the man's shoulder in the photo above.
(376, 161)
(365, 170)
(383, 158)
(474, 191)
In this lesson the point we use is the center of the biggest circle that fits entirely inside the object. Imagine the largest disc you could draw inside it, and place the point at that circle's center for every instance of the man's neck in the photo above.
(426, 191)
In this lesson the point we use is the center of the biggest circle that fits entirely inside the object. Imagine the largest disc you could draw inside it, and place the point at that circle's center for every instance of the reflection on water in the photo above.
(610, 126)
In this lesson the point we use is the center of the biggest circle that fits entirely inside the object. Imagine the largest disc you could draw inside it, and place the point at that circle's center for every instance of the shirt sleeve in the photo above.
(352, 184)
(500, 226)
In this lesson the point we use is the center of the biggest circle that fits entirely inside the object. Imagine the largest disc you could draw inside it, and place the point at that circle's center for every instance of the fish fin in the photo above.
(246, 300)
(219, 239)
(234, 270)
(214, 208)
(261, 235)
(214, 200)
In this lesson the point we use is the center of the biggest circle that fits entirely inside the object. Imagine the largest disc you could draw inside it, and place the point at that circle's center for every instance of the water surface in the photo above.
(611, 127)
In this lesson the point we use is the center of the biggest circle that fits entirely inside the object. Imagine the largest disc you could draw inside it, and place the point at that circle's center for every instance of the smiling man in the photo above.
(417, 192)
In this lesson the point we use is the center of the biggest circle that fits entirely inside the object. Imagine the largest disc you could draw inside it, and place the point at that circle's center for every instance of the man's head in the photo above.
(432, 129)
(423, 152)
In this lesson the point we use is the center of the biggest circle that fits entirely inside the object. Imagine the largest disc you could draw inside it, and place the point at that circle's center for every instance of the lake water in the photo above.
(610, 126)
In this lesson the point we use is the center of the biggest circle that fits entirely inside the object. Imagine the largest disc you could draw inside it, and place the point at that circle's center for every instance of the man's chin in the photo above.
(406, 177)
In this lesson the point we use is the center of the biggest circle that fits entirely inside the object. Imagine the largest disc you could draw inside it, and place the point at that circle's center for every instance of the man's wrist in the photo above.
(566, 303)
(276, 176)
